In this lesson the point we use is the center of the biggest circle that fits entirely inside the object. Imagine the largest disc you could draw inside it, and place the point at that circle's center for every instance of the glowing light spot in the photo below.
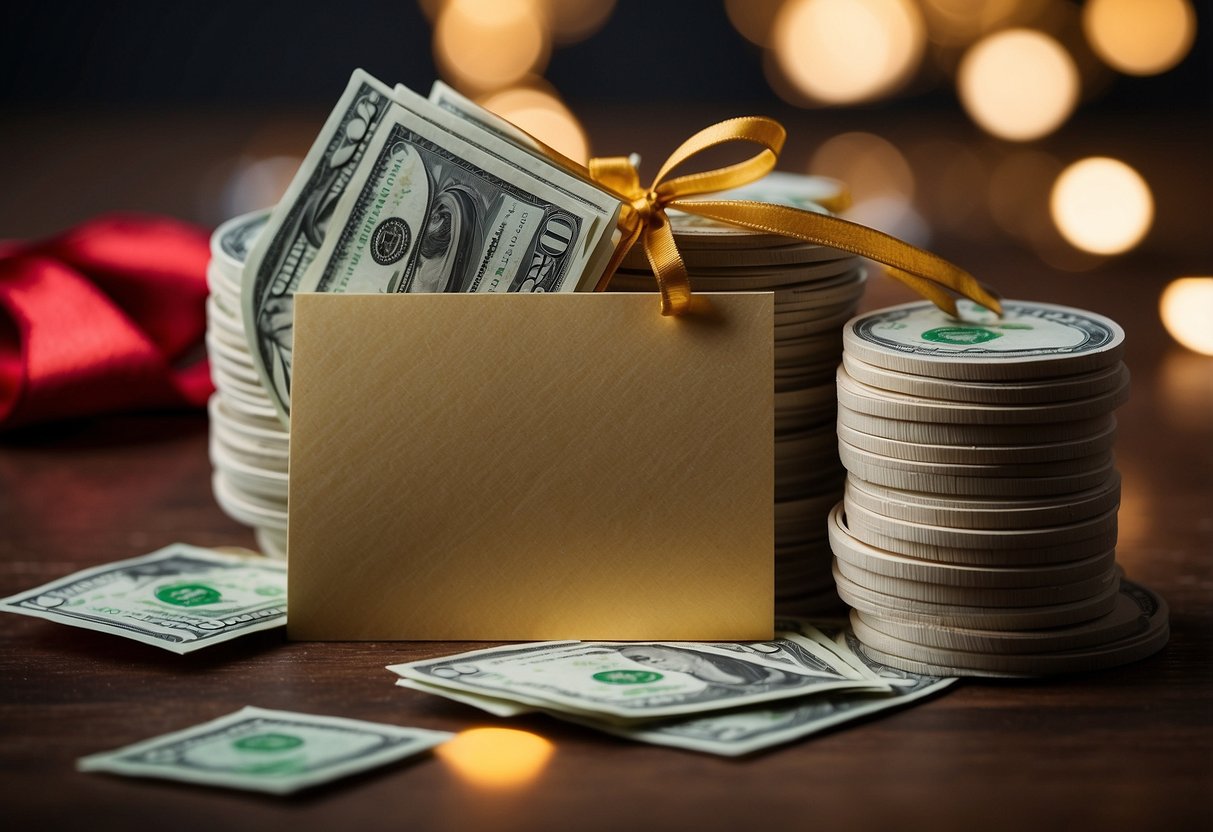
(496, 757)
(1018, 84)
(1140, 37)
(844, 51)
(544, 116)
(754, 19)
(1186, 309)
(1102, 205)
(483, 45)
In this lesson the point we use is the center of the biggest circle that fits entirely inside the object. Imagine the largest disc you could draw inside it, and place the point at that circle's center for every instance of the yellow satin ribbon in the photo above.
(643, 219)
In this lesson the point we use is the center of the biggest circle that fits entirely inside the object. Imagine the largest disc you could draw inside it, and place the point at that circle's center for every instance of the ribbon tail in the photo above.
(667, 266)
(924, 272)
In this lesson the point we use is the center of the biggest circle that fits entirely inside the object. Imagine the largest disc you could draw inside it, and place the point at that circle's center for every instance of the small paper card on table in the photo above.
(526, 467)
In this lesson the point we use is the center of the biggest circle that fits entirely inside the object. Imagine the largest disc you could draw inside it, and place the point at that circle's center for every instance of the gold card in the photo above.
(531, 467)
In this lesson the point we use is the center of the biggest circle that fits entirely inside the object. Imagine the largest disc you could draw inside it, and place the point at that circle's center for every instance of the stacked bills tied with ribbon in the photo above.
(397, 194)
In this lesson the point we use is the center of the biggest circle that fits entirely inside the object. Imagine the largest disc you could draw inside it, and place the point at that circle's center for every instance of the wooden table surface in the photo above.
(1128, 748)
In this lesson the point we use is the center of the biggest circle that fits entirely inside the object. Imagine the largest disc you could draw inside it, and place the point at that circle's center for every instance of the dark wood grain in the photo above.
(1130, 748)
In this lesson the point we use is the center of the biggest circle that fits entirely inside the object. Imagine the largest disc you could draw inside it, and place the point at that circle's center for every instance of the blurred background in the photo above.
(1066, 140)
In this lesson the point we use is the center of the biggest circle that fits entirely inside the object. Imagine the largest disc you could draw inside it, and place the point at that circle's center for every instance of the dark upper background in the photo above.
(251, 53)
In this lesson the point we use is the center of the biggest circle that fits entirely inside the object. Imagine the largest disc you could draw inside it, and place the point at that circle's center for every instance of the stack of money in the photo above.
(719, 698)
(400, 194)
(816, 290)
(977, 535)
(248, 443)
(397, 194)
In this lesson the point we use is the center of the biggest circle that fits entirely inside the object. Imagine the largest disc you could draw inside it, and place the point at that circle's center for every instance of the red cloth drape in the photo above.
(107, 317)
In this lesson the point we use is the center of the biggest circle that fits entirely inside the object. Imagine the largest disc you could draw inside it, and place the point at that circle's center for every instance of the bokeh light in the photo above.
(542, 114)
(1102, 205)
(1018, 84)
(1140, 37)
(496, 757)
(1186, 308)
(482, 45)
(847, 51)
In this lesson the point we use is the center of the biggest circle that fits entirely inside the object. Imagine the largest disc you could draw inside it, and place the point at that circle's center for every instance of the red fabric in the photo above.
(100, 320)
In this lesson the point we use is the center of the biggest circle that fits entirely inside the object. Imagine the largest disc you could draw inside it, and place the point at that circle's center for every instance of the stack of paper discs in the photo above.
(977, 535)
(248, 442)
(816, 290)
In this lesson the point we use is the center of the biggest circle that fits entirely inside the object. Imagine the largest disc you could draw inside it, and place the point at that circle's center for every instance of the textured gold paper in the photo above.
(528, 467)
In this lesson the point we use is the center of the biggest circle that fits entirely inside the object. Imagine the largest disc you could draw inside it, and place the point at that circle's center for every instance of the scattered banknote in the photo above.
(725, 728)
(401, 194)
(745, 731)
(267, 751)
(181, 598)
(640, 681)
(748, 730)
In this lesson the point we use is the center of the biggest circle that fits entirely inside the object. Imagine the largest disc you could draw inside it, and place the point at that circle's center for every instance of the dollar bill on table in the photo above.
(748, 730)
(735, 729)
(622, 682)
(181, 598)
(398, 194)
(267, 751)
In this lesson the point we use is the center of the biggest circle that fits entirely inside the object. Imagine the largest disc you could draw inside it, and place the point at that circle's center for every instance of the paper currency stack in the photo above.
(816, 291)
(248, 442)
(472, 206)
(978, 531)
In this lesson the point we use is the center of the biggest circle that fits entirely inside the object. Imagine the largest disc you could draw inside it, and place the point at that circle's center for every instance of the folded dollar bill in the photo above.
(181, 598)
(747, 730)
(732, 730)
(640, 681)
(266, 751)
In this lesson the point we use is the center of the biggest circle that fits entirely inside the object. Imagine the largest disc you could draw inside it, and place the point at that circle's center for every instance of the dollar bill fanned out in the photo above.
(726, 699)
(181, 598)
(398, 194)
(266, 751)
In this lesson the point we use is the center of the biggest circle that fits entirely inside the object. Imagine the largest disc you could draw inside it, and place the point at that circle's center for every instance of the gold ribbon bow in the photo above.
(643, 219)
